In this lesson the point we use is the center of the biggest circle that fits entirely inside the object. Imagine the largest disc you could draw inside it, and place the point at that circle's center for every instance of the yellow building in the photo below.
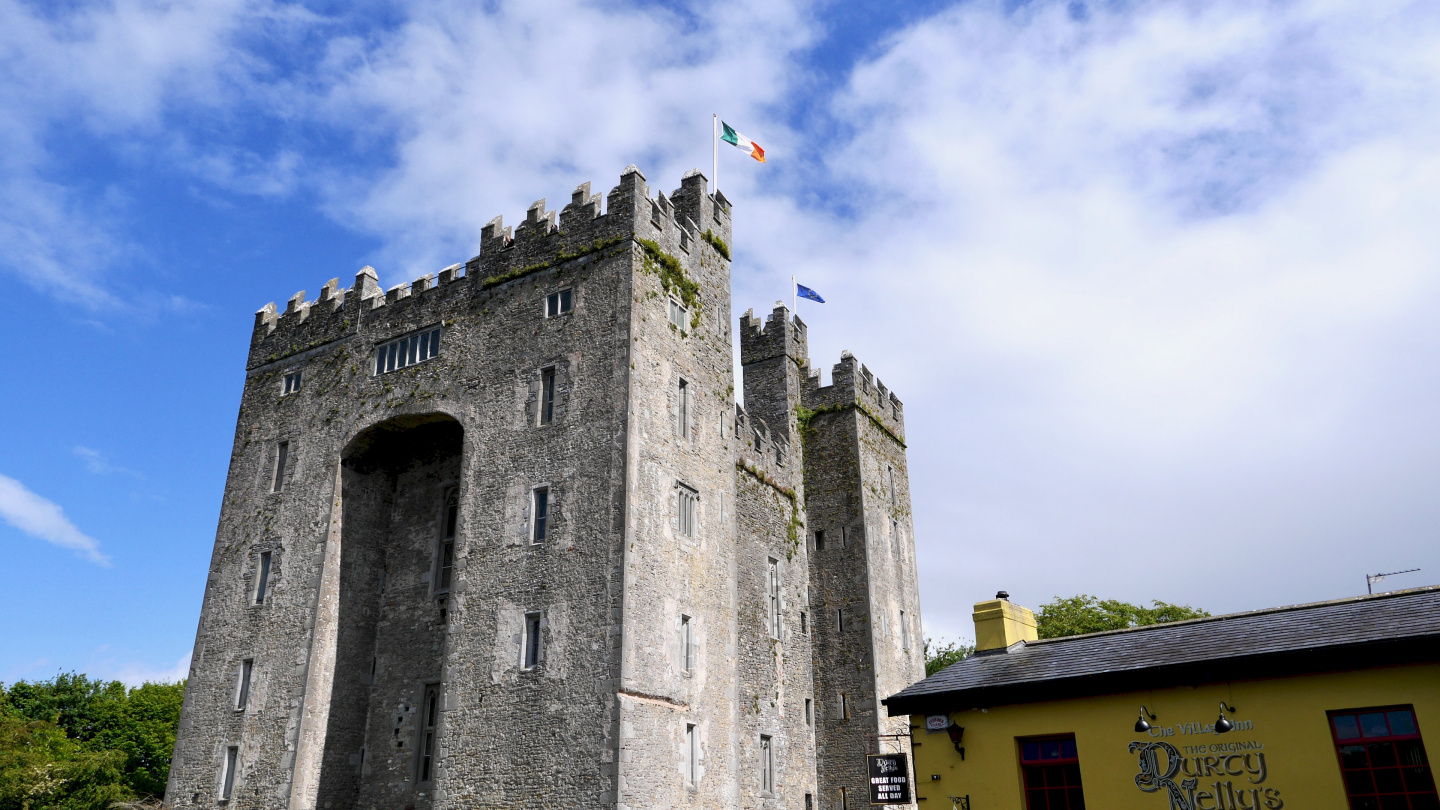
(1311, 707)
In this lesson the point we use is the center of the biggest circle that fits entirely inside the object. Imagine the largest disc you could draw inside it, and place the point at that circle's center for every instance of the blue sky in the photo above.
(1157, 281)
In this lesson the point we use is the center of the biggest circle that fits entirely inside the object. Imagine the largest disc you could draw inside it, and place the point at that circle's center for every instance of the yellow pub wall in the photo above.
(1289, 717)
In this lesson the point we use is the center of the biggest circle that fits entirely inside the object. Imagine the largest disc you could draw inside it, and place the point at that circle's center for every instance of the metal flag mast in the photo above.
(715, 154)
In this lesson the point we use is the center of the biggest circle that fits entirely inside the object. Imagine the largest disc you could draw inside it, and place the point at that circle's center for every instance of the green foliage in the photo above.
(941, 654)
(673, 278)
(105, 728)
(717, 243)
(560, 258)
(42, 769)
(1089, 614)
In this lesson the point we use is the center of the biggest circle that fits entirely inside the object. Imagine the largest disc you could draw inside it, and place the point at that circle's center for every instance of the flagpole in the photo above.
(794, 296)
(715, 152)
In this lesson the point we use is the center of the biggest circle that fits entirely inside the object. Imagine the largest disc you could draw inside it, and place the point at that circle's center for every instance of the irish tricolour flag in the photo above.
(733, 137)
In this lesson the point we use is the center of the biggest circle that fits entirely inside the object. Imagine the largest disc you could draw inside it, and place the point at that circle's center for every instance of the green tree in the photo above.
(43, 769)
(134, 728)
(941, 654)
(1088, 614)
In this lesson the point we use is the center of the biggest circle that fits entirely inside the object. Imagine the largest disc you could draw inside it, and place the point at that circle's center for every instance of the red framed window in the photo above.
(1383, 759)
(1051, 769)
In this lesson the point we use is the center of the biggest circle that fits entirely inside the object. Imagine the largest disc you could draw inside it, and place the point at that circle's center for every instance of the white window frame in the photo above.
(677, 307)
(407, 350)
(560, 302)
(290, 383)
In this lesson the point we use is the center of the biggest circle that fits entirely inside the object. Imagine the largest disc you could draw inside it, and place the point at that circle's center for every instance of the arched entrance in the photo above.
(400, 482)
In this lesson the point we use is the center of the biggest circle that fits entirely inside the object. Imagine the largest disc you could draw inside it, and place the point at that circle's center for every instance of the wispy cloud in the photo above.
(135, 673)
(44, 520)
(97, 463)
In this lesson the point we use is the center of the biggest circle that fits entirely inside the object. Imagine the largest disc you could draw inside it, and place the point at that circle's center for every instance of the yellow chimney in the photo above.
(999, 624)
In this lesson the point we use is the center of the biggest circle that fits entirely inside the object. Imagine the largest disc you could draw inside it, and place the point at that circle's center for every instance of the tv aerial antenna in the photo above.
(1371, 579)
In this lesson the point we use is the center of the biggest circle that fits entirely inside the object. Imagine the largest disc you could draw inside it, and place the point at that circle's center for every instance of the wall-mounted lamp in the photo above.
(1223, 724)
(957, 733)
(1141, 726)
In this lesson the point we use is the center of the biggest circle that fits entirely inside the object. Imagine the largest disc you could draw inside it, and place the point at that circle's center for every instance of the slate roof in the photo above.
(1362, 632)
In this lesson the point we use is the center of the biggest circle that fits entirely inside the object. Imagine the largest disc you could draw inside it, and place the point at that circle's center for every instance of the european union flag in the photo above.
(805, 292)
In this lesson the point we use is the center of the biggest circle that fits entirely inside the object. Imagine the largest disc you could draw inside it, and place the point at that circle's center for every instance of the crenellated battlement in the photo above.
(543, 240)
(758, 448)
(777, 336)
(852, 382)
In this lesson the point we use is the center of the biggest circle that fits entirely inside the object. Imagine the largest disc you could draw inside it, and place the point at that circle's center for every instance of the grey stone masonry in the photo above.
(502, 538)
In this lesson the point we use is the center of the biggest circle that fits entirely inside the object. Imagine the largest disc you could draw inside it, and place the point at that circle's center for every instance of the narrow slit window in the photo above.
(844, 706)
(844, 800)
(773, 589)
(682, 406)
(547, 396)
(262, 579)
(809, 711)
(531, 640)
(242, 688)
(227, 785)
(804, 623)
(431, 709)
(282, 455)
(685, 511)
(687, 645)
(890, 475)
(819, 539)
(844, 537)
(692, 755)
(407, 351)
(840, 620)
(445, 562)
(767, 764)
(540, 507)
(291, 384)
(904, 632)
(557, 304)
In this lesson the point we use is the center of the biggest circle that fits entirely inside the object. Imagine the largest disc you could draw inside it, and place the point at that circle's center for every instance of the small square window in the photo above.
(557, 304)
(677, 314)
(291, 384)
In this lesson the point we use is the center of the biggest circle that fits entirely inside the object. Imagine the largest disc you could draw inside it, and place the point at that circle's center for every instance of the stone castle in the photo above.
(502, 537)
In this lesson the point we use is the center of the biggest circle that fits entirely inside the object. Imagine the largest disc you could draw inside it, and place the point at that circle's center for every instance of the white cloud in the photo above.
(44, 520)
(97, 463)
(134, 674)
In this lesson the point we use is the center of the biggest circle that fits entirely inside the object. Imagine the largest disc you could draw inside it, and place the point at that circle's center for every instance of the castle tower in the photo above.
(500, 537)
(863, 576)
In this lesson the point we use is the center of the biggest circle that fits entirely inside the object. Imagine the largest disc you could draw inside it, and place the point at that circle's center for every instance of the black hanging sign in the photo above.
(889, 779)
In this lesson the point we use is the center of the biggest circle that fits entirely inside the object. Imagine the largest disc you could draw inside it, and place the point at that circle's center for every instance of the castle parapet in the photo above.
(778, 336)
(543, 240)
(851, 382)
(759, 450)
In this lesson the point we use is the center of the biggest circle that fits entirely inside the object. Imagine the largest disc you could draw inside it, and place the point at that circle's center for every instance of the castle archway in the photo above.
(400, 482)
